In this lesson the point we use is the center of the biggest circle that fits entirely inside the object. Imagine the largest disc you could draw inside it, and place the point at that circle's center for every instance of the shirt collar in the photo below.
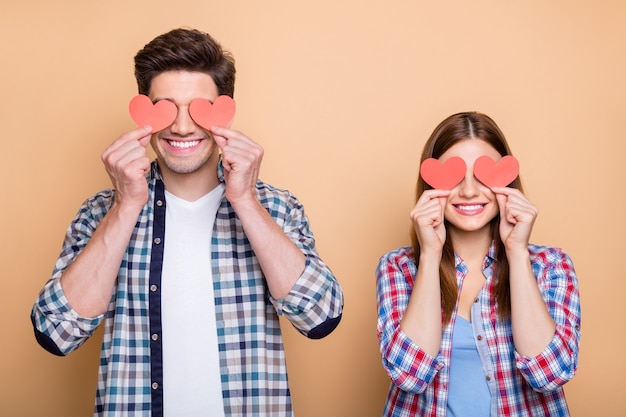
(491, 255)
(490, 258)
(155, 172)
(220, 170)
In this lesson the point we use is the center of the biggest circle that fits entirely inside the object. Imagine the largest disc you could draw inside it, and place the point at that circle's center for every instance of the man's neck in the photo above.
(191, 186)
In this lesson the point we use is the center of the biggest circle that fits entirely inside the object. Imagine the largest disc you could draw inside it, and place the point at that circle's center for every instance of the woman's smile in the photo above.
(469, 209)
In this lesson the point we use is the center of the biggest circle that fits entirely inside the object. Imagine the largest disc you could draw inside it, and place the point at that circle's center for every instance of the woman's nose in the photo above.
(470, 186)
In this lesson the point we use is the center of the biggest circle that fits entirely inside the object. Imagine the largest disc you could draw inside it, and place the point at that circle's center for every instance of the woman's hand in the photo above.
(428, 220)
(517, 217)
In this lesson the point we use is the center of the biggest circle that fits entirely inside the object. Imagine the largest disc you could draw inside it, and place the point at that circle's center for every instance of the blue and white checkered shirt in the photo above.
(252, 360)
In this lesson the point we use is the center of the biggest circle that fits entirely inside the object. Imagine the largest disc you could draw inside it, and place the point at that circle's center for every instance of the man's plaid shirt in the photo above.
(252, 360)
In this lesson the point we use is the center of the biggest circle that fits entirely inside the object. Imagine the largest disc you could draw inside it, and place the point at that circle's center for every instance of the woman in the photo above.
(472, 319)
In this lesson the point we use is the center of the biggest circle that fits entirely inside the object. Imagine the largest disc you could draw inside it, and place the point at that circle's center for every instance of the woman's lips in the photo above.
(469, 209)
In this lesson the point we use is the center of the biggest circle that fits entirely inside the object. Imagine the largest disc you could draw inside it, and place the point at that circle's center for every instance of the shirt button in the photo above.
(159, 203)
(155, 385)
(157, 240)
(155, 337)
(153, 288)
(479, 337)
(488, 377)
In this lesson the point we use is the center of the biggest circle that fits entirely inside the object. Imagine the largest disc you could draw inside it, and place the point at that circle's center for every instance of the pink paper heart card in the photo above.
(496, 173)
(163, 113)
(219, 113)
(158, 115)
(443, 176)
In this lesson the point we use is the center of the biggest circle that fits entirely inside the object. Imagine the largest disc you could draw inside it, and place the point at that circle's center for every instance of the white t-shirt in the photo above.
(191, 369)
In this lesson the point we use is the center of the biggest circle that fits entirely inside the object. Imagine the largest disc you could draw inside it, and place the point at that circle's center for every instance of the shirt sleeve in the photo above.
(314, 305)
(58, 327)
(558, 362)
(409, 366)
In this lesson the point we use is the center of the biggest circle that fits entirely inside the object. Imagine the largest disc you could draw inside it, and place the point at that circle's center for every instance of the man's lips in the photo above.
(183, 144)
(178, 144)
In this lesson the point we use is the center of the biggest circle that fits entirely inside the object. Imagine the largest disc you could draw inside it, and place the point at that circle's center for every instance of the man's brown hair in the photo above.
(185, 50)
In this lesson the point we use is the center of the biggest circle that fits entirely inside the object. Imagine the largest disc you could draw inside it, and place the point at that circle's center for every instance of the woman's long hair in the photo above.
(456, 128)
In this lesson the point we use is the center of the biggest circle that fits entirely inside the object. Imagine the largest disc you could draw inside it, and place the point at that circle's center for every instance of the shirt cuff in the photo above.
(408, 365)
(315, 298)
(549, 370)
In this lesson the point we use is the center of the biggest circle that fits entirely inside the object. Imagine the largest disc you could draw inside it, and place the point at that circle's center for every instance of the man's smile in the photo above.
(182, 144)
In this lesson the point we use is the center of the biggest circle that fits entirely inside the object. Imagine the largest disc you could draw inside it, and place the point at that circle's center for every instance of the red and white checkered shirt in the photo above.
(521, 386)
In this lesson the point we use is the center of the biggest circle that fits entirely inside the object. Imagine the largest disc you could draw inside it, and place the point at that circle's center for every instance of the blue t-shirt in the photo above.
(468, 394)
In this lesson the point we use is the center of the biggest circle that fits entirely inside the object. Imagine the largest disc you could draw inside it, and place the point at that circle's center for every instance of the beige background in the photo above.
(342, 95)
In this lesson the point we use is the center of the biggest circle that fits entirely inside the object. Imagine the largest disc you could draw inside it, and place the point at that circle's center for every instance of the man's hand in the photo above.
(127, 163)
(88, 282)
(241, 157)
(281, 260)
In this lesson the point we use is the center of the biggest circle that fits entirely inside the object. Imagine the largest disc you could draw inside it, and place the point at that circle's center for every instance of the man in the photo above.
(189, 258)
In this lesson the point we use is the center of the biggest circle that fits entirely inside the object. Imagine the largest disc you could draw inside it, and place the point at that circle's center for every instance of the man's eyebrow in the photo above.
(206, 99)
(157, 99)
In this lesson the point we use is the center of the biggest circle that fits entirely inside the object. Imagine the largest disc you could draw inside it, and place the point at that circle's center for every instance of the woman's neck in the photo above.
(471, 246)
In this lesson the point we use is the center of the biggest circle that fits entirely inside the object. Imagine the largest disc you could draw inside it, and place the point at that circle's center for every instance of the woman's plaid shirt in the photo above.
(521, 386)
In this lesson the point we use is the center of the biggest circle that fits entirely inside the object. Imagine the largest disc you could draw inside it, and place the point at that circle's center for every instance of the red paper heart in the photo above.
(443, 176)
(207, 114)
(496, 174)
(158, 115)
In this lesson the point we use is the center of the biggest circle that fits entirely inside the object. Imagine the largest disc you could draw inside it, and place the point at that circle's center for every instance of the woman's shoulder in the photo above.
(544, 250)
(395, 264)
(547, 255)
(403, 252)
(402, 256)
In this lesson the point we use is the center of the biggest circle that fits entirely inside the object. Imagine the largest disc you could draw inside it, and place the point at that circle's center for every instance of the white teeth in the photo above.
(183, 145)
(470, 208)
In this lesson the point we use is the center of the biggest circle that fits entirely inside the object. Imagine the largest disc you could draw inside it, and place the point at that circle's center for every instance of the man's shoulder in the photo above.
(271, 194)
(104, 196)
(98, 204)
